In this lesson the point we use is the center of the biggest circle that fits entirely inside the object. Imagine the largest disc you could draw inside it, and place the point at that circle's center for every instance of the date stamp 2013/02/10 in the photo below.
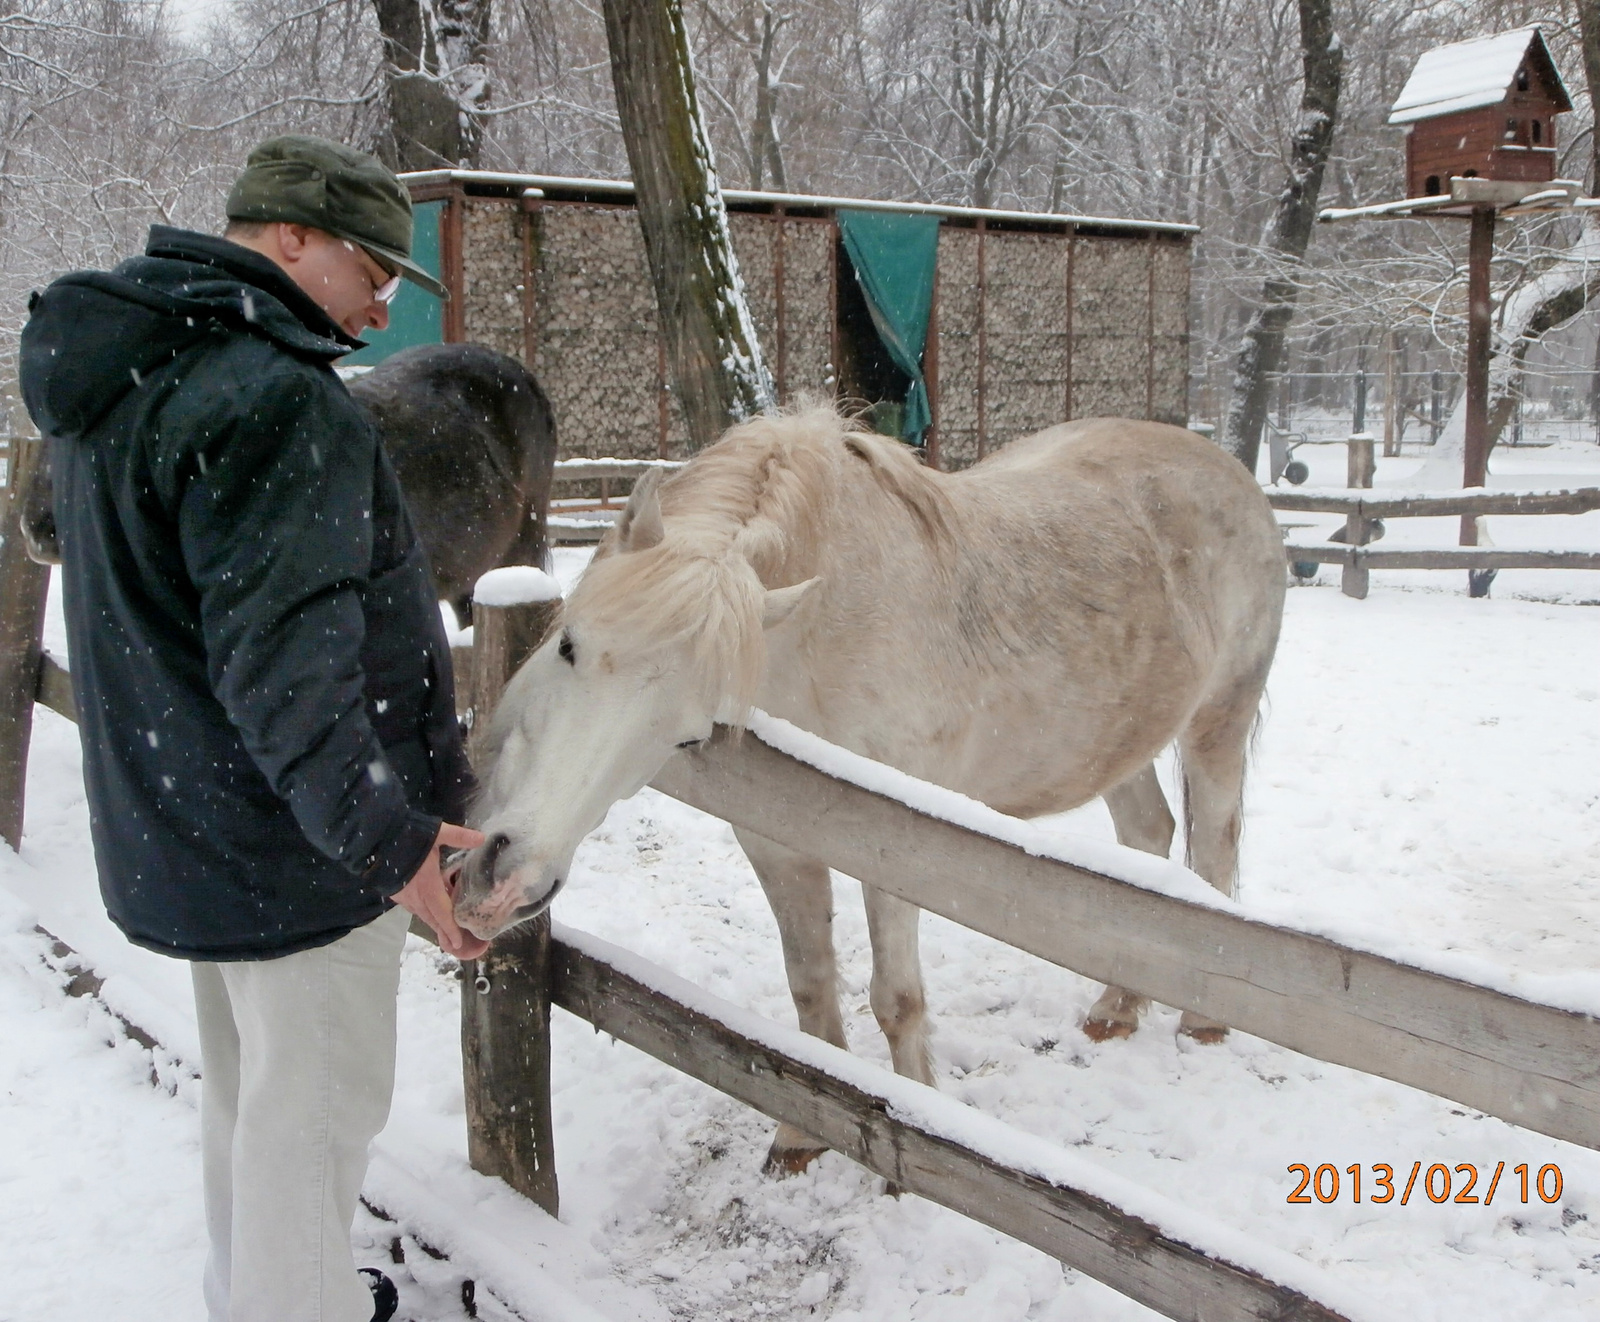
(1437, 1182)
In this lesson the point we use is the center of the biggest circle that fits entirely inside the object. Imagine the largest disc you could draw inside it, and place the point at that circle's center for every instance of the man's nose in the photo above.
(378, 315)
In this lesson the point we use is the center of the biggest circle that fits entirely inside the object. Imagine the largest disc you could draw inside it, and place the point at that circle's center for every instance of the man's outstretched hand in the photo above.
(432, 898)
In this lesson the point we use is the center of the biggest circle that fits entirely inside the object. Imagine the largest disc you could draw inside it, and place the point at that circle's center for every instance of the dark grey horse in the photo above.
(473, 442)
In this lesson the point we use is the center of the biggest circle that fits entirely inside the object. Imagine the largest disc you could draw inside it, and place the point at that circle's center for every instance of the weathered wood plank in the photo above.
(1083, 1229)
(1475, 557)
(588, 470)
(24, 586)
(505, 998)
(505, 1063)
(1530, 1064)
(1440, 557)
(55, 687)
(1579, 500)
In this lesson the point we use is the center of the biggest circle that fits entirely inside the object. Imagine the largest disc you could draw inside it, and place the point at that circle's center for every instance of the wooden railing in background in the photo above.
(1363, 510)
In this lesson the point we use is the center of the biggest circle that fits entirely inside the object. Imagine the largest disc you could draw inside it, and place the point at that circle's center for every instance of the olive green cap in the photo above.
(349, 194)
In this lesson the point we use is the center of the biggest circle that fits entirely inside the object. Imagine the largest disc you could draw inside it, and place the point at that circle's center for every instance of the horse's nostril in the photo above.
(493, 847)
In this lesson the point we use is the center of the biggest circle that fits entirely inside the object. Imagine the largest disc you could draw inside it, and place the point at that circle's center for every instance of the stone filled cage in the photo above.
(1035, 318)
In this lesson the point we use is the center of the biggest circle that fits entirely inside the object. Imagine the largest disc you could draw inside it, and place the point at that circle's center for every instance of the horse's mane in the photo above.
(744, 516)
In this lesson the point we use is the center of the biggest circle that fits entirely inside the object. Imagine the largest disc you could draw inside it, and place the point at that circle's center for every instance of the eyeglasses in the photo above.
(385, 292)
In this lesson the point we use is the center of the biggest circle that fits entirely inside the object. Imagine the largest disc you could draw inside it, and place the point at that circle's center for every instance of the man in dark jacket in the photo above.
(266, 703)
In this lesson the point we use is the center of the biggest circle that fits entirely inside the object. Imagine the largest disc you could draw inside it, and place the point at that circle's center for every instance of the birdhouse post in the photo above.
(1480, 122)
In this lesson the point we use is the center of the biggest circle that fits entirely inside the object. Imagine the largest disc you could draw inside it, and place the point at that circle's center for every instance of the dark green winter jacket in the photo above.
(266, 704)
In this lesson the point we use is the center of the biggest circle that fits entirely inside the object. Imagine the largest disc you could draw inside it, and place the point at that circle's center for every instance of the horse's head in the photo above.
(657, 644)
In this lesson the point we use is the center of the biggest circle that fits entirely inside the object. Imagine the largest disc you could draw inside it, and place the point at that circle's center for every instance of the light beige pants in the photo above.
(297, 1064)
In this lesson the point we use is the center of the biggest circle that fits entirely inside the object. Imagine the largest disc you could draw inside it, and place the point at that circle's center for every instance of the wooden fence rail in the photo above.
(1439, 557)
(1362, 511)
(589, 470)
(908, 1134)
(1579, 500)
(1530, 1064)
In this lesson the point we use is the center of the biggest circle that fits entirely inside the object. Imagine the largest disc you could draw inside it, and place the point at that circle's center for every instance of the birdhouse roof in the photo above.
(1467, 75)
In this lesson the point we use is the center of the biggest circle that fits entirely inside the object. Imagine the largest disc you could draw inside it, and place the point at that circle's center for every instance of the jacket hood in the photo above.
(95, 335)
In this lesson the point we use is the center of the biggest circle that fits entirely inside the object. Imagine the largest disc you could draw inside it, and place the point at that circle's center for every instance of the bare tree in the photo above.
(437, 79)
(1322, 61)
(710, 338)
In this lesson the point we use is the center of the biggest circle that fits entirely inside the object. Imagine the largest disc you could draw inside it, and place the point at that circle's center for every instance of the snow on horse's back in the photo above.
(1031, 632)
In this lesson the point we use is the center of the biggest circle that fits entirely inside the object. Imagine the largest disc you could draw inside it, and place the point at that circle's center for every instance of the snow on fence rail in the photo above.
(567, 531)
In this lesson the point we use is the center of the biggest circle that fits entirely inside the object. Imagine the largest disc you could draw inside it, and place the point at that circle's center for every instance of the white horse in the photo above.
(1031, 632)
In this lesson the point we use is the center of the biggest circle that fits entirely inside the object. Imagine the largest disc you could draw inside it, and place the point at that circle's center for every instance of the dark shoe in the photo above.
(385, 1298)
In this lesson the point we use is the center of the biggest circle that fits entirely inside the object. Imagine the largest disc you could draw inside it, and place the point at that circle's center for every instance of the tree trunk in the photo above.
(710, 338)
(1589, 32)
(1556, 295)
(436, 81)
(768, 152)
(1322, 59)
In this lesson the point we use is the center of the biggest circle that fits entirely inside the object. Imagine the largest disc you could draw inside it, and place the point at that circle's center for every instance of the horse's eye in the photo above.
(693, 743)
(564, 649)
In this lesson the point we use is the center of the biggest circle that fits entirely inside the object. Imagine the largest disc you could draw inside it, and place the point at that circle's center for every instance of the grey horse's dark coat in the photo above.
(471, 437)
(473, 441)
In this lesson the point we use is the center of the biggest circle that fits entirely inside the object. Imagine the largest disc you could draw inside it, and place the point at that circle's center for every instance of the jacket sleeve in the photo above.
(275, 520)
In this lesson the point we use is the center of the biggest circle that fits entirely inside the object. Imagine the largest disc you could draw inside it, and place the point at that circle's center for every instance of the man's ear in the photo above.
(640, 528)
(781, 603)
(289, 239)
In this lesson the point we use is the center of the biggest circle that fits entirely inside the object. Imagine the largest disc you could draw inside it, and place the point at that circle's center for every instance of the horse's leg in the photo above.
(897, 999)
(1144, 821)
(1214, 750)
(800, 891)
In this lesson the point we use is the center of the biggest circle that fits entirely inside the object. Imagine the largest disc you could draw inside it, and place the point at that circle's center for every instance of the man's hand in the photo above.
(432, 898)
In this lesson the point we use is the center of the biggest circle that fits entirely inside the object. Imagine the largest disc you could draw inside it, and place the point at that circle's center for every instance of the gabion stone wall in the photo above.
(491, 268)
(956, 339)
(594, 331)
(1031, 328)
(1169, 329)
(1026, 334)
(1078, 326)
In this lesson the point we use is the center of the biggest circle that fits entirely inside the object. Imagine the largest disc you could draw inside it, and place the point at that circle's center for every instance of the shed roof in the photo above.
(566, 189)
(1466, 75)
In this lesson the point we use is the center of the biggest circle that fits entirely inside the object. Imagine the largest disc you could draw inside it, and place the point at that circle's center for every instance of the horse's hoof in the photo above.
(1106, 1030)
(781, 1163)
(1208, 1036)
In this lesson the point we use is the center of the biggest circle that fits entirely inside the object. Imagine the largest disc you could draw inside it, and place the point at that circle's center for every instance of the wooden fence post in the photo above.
(505, 996)
(1359, 469)
(24, 587)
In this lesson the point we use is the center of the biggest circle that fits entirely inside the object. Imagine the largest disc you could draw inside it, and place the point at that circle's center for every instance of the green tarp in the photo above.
(895, 257)
(415, 316)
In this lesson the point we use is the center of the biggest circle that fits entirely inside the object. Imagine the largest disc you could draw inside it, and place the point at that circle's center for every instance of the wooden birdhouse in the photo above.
(1484, 108)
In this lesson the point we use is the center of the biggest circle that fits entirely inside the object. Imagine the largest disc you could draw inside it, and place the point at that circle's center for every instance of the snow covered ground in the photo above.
(1426, 779)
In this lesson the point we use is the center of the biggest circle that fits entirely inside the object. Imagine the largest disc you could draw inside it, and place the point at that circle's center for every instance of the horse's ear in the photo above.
(781, 603)
(639, 528)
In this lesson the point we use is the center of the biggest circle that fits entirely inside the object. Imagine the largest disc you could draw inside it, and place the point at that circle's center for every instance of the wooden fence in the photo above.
(1364, 511)
(565, 530)
(1531, 1064)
